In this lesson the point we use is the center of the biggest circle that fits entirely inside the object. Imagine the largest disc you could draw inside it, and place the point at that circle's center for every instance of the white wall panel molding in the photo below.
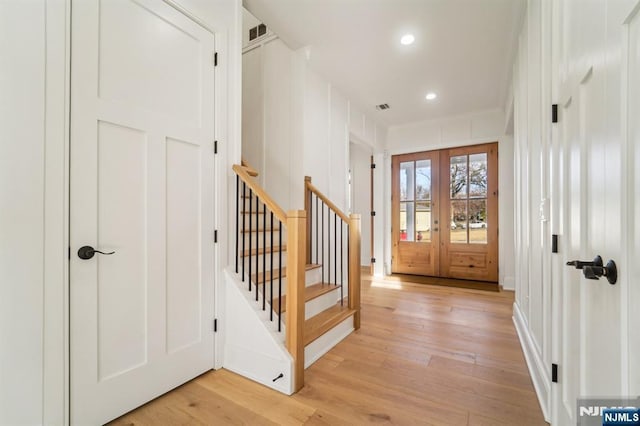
(539, 376)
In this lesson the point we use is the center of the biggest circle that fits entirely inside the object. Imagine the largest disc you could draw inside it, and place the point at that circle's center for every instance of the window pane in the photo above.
(478, 175)
(423, 180)
(406, 181)
(478, 221)
(407, 228)
(458, 169)
(458, 226)
(423, 221)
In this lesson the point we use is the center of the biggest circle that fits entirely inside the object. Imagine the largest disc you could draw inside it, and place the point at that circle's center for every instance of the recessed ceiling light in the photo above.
(431, 96)
(407, 39)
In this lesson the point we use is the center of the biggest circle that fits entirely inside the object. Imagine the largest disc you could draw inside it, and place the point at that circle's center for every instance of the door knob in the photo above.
(87, 252)
(595, 272)
(580, 264)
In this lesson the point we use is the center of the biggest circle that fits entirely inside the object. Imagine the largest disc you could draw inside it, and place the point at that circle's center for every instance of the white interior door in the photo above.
(142, 186)
(594, 355)
(631, 297)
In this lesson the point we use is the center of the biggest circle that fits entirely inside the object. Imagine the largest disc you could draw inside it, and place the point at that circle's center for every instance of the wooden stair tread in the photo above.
(310, 293)
(260, 278)
(262, 250)
(318, 325)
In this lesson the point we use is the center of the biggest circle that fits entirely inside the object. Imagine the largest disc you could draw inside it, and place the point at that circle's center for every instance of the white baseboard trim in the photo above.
(539, 374)
(509, 283)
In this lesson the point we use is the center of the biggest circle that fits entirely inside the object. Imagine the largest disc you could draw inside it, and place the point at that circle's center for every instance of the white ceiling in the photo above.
(463, 50)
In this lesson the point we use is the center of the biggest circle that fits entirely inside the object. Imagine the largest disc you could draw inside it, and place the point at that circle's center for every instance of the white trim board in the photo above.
(541, 380)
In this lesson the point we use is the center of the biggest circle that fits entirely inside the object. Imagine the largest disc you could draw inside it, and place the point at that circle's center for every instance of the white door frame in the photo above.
(57, 360)
(226, 20)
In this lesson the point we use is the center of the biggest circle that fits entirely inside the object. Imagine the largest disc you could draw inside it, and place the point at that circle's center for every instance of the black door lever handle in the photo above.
(580, 264)
(595, 272)
(87, 252)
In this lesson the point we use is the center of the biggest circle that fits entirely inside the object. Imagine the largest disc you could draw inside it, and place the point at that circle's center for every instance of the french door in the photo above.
(445, 213)
(416, 237)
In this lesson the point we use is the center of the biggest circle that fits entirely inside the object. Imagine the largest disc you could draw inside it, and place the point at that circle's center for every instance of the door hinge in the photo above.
(554, 113)
(215, 325)
(554, 243)
(215, 236)
(373, 260)
(373, 213)
(554, 373)
(69, 253)
(215, 59)
(373, 165)
(215, 147)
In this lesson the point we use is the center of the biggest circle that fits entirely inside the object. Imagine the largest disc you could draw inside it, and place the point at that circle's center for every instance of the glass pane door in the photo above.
(468, 198)
(415, 226)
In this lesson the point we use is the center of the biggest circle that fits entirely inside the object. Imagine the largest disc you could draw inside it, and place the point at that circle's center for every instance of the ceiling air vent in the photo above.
(257, 31)
(382, 107)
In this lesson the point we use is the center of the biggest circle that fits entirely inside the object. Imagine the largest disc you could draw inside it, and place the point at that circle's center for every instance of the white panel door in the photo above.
(631, 83)
(142, 186)
(594, 356)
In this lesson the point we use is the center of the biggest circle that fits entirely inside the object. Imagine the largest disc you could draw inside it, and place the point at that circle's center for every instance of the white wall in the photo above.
(297, 124)
(34, 83)
(532, 121)
(32, 207)
(468, 129)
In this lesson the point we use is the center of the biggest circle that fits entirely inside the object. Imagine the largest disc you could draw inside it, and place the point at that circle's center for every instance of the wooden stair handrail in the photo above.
(309, 186)
(244, 175)
(251, 171)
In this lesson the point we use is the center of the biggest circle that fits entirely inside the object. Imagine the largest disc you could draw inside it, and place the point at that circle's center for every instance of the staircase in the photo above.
(296, 279)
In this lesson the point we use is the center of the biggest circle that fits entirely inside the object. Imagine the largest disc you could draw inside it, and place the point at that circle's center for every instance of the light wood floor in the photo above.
(425, 355)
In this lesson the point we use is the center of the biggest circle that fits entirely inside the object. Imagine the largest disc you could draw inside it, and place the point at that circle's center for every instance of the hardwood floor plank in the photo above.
(425, 355)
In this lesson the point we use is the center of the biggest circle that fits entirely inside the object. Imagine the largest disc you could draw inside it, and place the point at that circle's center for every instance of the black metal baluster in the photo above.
(244, 226)
(280, 278)
(341, 264)
(237, 220)
(271, 272)
(348, 258)
(316, 230)
(310, 225)
(328, 245)
(264, 256)
(257, 245)
(250, 234)
(322, 256)
(335, 248)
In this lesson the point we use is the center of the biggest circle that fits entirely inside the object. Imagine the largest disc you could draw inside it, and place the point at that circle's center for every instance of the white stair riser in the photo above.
(311, 277)
(314, 350)
(256, 262)
(321, 303)
(257, 238)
